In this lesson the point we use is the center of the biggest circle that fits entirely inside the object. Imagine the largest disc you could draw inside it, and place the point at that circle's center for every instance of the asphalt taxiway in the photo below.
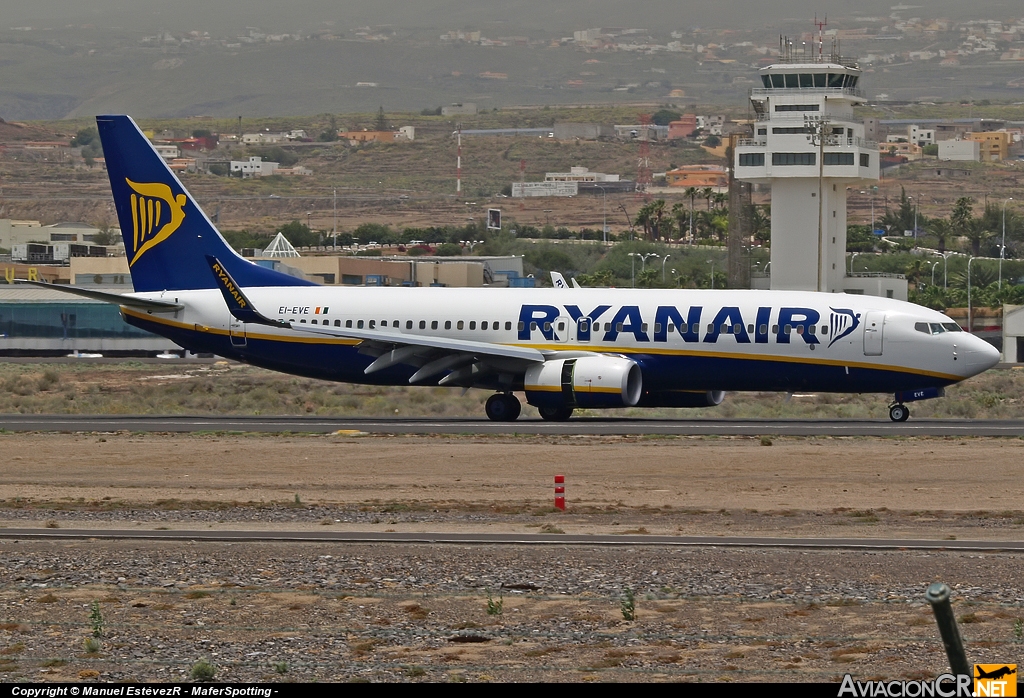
(579, 426)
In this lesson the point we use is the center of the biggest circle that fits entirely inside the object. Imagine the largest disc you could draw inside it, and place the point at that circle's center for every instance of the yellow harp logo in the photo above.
(156, 213)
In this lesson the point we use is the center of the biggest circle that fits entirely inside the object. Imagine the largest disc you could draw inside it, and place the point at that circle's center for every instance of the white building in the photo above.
(809, 147)
(966, 151)
(406, 133)
(254, 167)
(168, 152)
(920, 136)
(579, 174)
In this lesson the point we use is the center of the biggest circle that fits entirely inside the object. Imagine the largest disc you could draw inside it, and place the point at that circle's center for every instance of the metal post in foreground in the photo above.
(938, 596)
(560, 492)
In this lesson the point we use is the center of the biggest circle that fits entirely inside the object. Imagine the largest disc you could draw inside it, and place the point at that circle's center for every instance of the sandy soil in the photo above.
(795, 485)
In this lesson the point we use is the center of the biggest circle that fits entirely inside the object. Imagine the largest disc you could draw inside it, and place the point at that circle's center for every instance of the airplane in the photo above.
(566, 348)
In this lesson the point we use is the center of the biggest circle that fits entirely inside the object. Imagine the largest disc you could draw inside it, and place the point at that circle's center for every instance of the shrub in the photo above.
(203, 671)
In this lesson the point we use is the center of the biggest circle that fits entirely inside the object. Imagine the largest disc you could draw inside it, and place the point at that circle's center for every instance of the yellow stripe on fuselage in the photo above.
(659, 351)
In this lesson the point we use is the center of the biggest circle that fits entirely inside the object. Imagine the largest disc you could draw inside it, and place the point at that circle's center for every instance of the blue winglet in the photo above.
(241, 307)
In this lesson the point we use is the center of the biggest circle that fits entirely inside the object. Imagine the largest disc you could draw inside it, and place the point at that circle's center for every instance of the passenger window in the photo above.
(433, 325)
(337, 323)
(799, 329)
(561, 326)
(359, 324)
(670, 328)
(460, 324)
(775, 329)
(447, 324)
(533, 326)
(657, 327)
(394, 324)
(495, 325)
(508, 325)
(423, 324)
(726, 329)
(788, 329)
(711, 329)
(303, 321)
(824, 329)
(547, 326)
(618, 327)
(584, 326)
(737, 328)
(483, 325)
(372, 324)
(408, 324)
(314, 322)
(811, 329)
(763, 329)
(520, 327)
(348, 323)
(750, 329)
(472, 324)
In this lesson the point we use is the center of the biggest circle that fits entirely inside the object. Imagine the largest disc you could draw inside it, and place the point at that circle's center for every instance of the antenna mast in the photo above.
(821, 36)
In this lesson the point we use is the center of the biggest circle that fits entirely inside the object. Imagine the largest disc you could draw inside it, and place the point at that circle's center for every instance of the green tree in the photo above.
(381, 124)
(449, 249)
(663, 117)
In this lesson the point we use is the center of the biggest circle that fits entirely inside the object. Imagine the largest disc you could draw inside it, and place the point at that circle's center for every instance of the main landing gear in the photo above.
(898, 412)
(555, 414)
(503, 407)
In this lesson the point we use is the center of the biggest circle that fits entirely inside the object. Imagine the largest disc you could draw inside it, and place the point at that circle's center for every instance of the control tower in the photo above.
(809, 148)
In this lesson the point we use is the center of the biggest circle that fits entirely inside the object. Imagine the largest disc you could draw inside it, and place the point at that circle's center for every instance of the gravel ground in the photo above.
(305, 612)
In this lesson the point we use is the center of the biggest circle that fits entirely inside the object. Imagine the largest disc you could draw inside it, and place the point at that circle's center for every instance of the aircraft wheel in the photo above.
(503, 407)
(555, 414)
(899, 413)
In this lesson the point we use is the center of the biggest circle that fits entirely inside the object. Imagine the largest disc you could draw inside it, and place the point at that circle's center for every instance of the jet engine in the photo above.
(590, 381)
(682, 398)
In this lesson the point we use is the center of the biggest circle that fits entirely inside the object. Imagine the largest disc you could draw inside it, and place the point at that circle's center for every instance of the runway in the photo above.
(434, 538)
(575, 427)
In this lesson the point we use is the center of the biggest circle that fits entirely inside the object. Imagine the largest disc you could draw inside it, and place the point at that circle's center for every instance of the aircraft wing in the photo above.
(434, 355)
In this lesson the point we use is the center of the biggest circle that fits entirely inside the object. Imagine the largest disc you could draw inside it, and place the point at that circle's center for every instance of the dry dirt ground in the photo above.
(276, 611)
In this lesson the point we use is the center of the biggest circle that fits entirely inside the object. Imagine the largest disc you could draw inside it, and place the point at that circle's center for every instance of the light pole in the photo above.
(712, 263)
(604, 212)
(1002, 245)
(643, 260)
(934, 264)
(970, 317)
(632, 269)
(335, 231)
(664, 259)
(853, 257)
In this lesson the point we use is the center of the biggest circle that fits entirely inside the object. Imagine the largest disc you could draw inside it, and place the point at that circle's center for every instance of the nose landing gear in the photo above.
(898, 412)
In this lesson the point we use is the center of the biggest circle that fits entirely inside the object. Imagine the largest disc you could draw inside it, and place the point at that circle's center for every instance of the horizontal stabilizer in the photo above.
(106, 297)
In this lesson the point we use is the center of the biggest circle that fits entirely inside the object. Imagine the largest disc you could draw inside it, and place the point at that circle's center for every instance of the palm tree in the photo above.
(962, 216)
(692, 193)
(941, 230)
(707, 193)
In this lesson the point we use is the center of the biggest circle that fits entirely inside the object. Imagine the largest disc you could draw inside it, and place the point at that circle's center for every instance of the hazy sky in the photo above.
(297, 15)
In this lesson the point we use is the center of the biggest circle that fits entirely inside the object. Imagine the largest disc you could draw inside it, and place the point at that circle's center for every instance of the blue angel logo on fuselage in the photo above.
(841, 323)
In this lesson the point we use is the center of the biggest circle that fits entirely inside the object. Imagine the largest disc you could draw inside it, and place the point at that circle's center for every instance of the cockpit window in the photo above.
(922, 327)
(937, 328)
(952, 327)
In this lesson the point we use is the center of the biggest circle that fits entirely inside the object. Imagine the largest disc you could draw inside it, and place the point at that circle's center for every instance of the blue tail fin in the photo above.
(167, 237)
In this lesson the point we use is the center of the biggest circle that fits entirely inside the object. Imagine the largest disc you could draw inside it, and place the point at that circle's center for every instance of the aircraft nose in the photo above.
(981, 355)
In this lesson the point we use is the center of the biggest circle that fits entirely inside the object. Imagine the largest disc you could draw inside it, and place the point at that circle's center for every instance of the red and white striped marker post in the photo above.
(560, 492)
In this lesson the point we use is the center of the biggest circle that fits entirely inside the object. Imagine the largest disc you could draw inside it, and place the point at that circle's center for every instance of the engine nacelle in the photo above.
(682, 398)
(591, 381)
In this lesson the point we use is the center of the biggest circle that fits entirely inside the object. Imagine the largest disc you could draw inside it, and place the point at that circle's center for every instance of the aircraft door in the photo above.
(236, 331)
(874, 326)
(563, 329)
